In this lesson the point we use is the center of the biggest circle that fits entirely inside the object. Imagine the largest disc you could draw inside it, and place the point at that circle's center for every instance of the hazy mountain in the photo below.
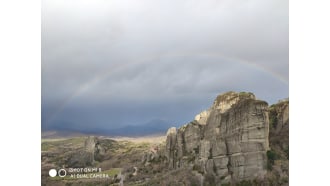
(156, 126)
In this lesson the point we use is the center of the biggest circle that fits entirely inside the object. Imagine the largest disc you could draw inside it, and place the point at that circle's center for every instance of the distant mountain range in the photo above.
(150, 128)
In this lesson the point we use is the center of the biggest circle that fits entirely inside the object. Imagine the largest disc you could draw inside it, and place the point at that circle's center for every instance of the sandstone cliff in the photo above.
(228, 141)
(278, 156)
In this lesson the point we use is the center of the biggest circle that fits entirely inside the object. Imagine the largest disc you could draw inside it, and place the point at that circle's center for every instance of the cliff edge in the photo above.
(228, 141)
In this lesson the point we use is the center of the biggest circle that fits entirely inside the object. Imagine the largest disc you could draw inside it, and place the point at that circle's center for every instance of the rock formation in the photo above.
(228, 141)
(279, 116)
(278, 164)
(83, 157)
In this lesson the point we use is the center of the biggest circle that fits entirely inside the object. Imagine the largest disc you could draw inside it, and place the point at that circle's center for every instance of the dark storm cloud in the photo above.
(107, 63)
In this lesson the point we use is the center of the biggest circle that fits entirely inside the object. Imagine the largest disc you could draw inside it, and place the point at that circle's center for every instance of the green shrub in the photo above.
(271, 157)
(272, 118)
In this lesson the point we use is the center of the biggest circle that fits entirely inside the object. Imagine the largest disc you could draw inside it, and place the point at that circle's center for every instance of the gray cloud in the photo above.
(107, 63)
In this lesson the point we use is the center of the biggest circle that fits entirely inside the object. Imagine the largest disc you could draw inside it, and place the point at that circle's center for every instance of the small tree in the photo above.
(271, 157)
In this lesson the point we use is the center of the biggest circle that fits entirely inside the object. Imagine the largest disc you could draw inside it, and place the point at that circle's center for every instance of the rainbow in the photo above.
(88, 85)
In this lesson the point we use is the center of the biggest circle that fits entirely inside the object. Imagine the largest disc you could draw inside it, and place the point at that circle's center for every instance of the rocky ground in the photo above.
(122, 159)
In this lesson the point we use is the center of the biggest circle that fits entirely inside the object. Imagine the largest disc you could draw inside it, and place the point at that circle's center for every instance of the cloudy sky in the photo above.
(111, 63)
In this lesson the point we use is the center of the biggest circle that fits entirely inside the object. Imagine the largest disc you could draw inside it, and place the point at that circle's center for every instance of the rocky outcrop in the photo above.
(228, 141)
(279, 116)
(153, 155)
(102, 148)
(85, 156)
(171, 146)
(278, 155)
(279, 128)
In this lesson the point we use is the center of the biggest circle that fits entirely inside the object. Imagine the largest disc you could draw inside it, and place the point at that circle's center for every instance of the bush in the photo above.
(271, 157)
(272, 118)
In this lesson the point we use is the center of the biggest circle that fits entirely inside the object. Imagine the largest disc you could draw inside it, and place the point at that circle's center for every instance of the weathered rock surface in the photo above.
(279, 116)
(85, 156)
(278, 165)
(102, 148)
(228, 141)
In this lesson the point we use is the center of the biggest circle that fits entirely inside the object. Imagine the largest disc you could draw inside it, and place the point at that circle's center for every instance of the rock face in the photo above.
(279, 128)
(278, 164)
(279, 115)
(85, 156)
(228, 141)
(102, 148)
(171, 146)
